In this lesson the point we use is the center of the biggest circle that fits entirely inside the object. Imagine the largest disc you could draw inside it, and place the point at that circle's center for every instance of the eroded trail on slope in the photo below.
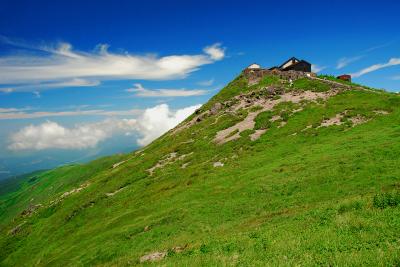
(234, 131)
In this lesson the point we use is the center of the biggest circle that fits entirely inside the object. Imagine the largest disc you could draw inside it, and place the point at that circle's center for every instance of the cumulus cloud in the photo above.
(150, 125)
(139, 90)
(215, 51)
(158, 120)
(316, 68)
(391, 62)
(52, 135)
(344, 61)
(61, 65)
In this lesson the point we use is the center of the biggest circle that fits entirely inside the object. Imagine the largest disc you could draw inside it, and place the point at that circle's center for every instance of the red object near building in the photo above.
(345, 77)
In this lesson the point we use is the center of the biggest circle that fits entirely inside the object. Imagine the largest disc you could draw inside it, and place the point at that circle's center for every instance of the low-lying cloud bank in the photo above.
(50, 135)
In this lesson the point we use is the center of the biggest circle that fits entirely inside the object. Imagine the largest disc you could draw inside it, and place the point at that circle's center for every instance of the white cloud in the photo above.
(55, 65)
(316, 68)
(37, 94)
(7, 90)
(391, 62)
(150, 125)
(206, 83)
(396, 77)
(8, 110)
(344, 61)
(139, 90)
(158, 120)
(215, 51)
(52, 135)
(13, 113)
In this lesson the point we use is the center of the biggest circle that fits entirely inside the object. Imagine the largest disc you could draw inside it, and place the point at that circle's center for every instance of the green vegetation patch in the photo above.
(384, 200)
(263, 120)
(291, 198)
(311, 85)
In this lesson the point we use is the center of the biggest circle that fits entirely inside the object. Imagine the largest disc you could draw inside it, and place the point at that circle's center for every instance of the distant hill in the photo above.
(278, 168)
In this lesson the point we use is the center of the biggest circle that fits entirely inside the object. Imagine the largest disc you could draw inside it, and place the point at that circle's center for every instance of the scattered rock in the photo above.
(218, 164)
(184, 165)
(117, 164)
(146, 228)
(215, 108)
(30, 210)
(257, 134)
(275, 118)
(16, 229)
(337, 120)
(358, 120)
(115, 192)
(66, 194)
(178, 249)
(283, 123)
(381, 112)
(169, 159)
(307, 127)
(75, 190)
(224, 136)
(155, 256)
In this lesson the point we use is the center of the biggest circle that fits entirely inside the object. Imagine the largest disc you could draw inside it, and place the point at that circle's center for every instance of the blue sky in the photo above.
(80, 79)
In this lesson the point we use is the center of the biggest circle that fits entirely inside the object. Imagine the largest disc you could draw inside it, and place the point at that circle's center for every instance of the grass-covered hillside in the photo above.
(268, 172)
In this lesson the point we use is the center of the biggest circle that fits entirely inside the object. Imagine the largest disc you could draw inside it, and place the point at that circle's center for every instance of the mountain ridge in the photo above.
(280, 168)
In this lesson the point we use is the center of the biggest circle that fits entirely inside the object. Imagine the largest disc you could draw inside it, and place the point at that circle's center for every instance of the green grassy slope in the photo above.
(300, 194)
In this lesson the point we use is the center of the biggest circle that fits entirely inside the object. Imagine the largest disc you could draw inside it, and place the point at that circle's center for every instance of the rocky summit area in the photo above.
(278, 168)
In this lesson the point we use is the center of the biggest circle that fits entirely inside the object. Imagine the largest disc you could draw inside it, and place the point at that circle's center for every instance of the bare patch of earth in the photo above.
(257, 134)
(224, 136)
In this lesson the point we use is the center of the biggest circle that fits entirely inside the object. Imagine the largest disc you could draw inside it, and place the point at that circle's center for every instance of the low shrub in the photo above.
(263, 120)
(384, 200)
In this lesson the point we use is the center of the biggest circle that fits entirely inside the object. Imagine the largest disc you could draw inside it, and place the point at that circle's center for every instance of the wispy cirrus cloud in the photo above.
(140, 91)
(60, 65)
(27, 113)
(344, 61)
(206, 82)
(372, 48)
(375, 67)
(317, 68)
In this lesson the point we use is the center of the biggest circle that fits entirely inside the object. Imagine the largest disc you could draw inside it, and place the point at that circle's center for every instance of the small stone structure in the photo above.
(255, 75)
(344, 77)
(292, 69)
(295, 64)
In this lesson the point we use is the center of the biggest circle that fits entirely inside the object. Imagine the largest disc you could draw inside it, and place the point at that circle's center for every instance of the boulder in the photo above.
(215, 108)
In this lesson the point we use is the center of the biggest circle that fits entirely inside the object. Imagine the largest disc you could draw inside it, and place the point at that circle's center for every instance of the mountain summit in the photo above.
(279, 168)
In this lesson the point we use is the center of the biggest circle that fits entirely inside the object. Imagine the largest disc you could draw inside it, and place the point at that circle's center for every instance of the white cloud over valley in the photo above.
(51, 135)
